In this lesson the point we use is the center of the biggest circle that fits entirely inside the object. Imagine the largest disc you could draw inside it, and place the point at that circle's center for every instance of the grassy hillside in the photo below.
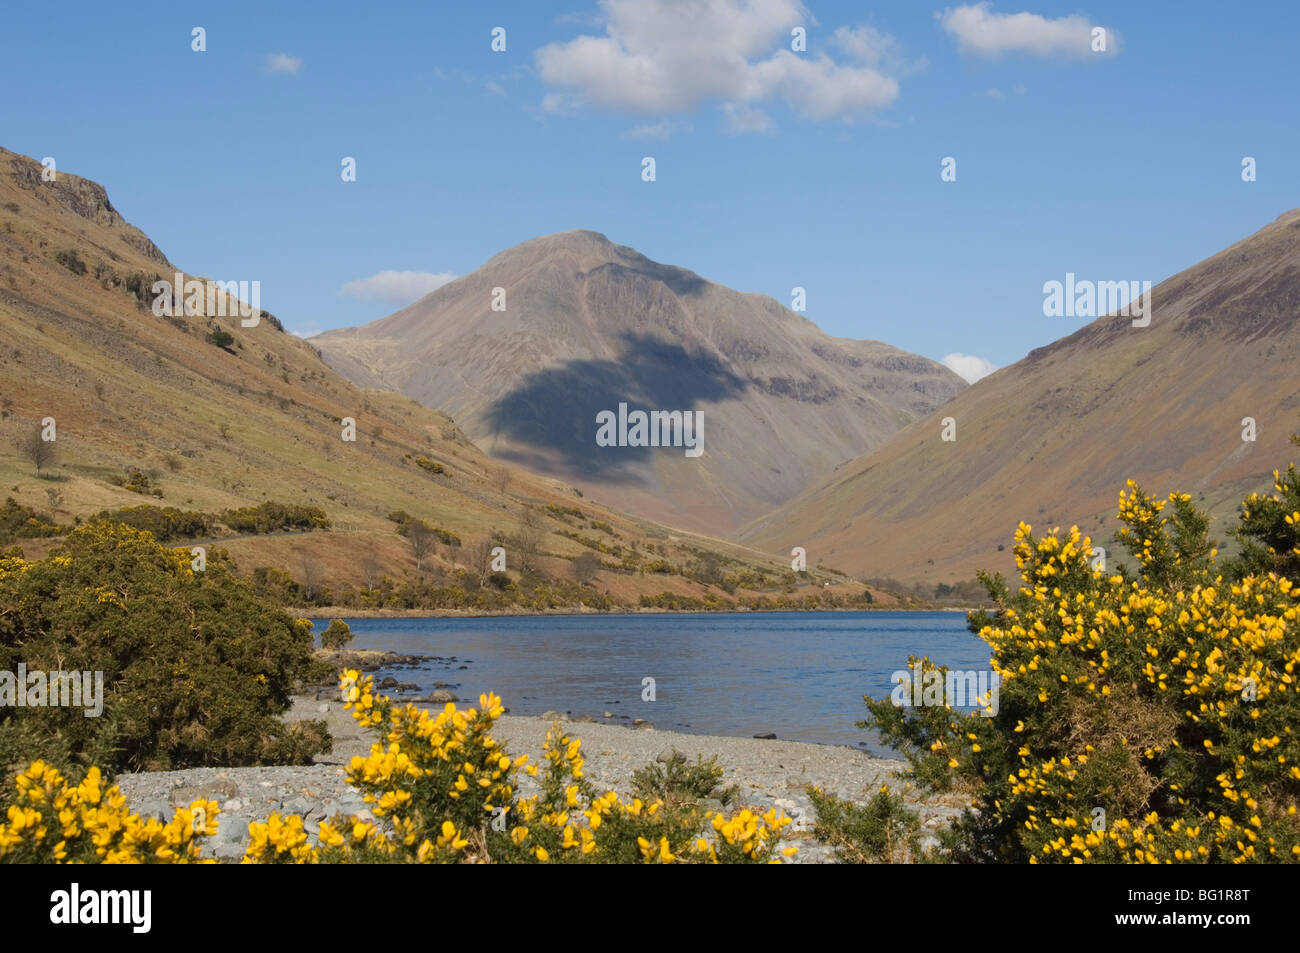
(215, 428)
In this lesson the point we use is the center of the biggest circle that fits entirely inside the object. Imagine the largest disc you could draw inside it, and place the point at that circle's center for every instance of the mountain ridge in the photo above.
(1053, 437)
(588, 323)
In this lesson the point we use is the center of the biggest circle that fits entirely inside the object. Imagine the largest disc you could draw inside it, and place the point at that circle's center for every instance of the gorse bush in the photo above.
(1269, 530)
(406, 523)
(1144, 716)
(165, 522)
(23, 522)
(271, 517)
(196, 666)
(443, 790)
(336, 635)
(51, 821)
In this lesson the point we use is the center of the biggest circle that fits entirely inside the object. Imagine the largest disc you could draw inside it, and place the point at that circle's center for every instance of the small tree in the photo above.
(422, 542)
(310, 587)
(33, 446)
(527, 542)
(480, 560)
(709, 570)
(585, 568)
(337, 635)
(371, 569)
(221, 338)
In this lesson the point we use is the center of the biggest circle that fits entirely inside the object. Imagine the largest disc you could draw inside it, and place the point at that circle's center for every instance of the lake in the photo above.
(800, 675)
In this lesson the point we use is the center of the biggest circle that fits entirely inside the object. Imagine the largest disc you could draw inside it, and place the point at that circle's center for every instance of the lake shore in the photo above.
(770, 773)
(343, 612)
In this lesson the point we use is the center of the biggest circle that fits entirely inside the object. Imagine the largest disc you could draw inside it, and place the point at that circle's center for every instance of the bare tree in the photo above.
(33, 446)
(501, 479)
(527, 542)
(585, 567)
(422, 542)
(311, 581)
(480, 560)
(370, 569)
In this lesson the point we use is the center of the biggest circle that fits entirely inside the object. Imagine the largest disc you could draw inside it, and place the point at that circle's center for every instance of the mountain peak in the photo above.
(527, 350)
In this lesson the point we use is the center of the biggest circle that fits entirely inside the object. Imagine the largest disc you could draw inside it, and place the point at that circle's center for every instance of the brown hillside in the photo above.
(1052, 438)
(217, 428)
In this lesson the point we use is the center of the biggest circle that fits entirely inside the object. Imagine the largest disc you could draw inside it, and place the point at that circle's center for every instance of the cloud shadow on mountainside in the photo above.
(551, 415)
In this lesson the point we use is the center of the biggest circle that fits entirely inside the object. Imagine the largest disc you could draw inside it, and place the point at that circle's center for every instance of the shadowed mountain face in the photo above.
(556, 407)
(588, 325)
(1052, 438)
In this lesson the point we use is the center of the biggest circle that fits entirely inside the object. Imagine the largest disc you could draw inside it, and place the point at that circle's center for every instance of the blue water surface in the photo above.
(800, 675)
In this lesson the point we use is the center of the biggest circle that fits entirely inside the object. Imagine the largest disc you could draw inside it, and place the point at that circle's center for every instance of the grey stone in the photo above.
(153, 808)
(219, 789)
(442, 696)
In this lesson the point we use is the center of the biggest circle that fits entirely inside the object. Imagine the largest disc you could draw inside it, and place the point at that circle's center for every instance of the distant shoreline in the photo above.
(342, 612)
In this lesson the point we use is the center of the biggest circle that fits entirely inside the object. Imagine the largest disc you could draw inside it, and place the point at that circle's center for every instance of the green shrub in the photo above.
(405, 521)
(882, 831)
(165, 522)
(276, 585)
(677, 782)
(1269, 530)
(196, 667)
(71, 261)
(337, 635)
(23, 522)
(221, 338)
(271, 517)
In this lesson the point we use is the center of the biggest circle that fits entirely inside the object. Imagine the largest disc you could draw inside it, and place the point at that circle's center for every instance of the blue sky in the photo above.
(775, 168)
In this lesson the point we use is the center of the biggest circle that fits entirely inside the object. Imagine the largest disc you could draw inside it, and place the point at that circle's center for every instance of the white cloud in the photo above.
(743, 119)
(662, 57)
(306, 332)
(395, 287)
(872, 48)
(662, 130)
(979, 30)
(494, 87)
(283, 63)
(968, 367)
